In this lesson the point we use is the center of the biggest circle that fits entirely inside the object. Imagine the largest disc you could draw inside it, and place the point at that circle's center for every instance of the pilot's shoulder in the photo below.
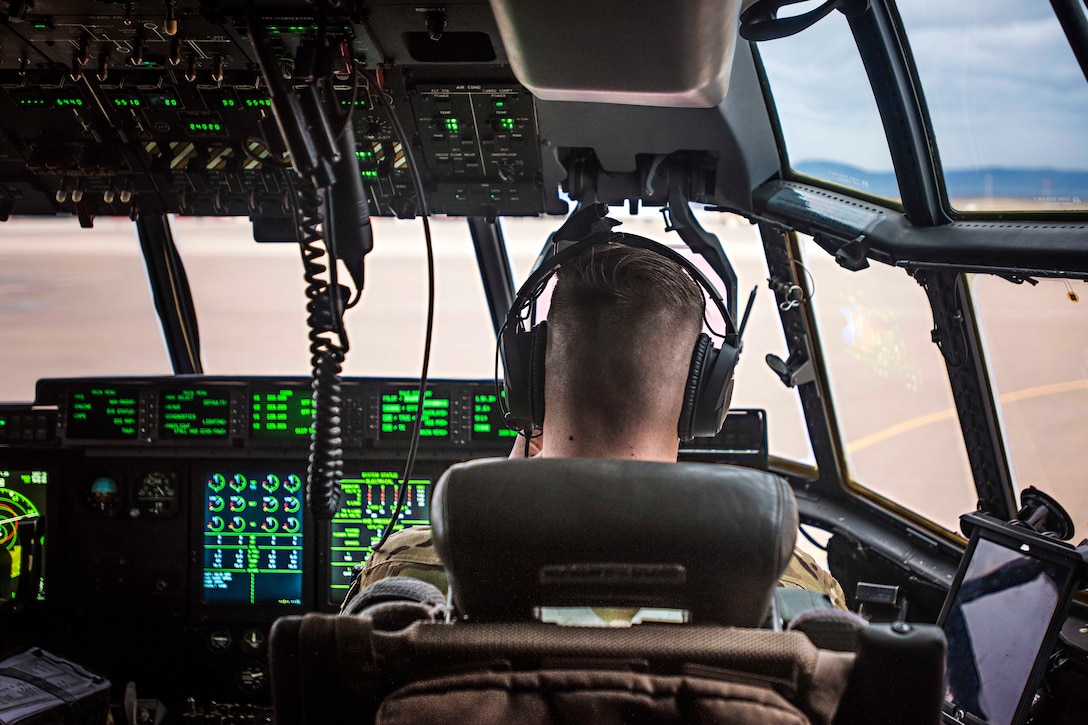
(803, 572)
(409, 552)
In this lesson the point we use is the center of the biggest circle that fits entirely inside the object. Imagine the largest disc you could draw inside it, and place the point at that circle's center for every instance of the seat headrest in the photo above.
(518, 534)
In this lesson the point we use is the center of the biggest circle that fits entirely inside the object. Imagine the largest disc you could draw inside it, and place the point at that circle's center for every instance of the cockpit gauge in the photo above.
(252, 641)
(239, 482)
(292, 484)
(271, 483)
(220, 640)
(217, 482)
(252, 678)
(14, 507)
(157, 494)
(104, 496)
(375, 127)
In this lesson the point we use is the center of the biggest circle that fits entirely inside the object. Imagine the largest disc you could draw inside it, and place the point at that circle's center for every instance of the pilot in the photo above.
(621, 327)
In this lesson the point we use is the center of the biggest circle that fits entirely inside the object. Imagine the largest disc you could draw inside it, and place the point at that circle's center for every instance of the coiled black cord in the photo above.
(328, 346)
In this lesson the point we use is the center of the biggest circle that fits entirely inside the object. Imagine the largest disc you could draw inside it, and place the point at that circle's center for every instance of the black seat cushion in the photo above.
(518, 534)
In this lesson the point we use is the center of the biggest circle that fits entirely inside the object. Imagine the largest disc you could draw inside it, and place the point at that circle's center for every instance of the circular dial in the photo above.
(252, 677)
(157, 494)
(14, 507)
(104, 495)
(375, 127)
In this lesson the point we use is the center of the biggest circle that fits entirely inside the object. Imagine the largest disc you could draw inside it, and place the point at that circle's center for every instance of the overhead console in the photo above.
(114, 114)
(142, 108)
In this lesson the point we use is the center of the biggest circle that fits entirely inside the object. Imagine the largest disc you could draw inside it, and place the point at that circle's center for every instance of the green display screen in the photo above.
(102, 413)
(398, 414)
(281, 413)
(22, 496)
(369, 500)
(488, 423)
(194, 413)
(253, 99)
(163, 98)
(125, 98)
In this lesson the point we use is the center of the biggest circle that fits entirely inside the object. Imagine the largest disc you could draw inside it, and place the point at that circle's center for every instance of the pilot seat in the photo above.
(702, 543)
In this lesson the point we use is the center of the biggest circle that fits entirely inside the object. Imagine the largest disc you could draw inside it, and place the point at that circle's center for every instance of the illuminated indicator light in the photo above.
(41, 26)
(370, 174)
(31, 101)
(451, 125)
(499, 104)
(358, 102)
(507, 124)
(364, 155)
(228, 102)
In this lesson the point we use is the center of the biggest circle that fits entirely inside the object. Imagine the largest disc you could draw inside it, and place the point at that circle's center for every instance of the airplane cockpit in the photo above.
(257, 261)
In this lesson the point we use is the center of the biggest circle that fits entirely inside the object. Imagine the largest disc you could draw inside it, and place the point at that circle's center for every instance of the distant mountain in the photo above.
(1036, 184)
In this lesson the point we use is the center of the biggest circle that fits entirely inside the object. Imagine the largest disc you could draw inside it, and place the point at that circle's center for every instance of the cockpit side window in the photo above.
(1007, 101)
(1036, 348)
(826, 110)
(888, 383)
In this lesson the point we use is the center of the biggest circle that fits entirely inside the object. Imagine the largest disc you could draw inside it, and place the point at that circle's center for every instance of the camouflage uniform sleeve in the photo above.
(804, 573)
(409, 552)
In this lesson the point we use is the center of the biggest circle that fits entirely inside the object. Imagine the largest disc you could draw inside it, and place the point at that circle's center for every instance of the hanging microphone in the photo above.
(351, 236)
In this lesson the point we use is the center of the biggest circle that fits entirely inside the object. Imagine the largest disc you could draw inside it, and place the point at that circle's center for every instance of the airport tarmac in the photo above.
(75, 302)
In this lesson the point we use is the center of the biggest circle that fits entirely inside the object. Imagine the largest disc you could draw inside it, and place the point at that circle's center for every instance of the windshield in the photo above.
(826, 110)
(250, 303)
(1007, 100)
(1036, 346)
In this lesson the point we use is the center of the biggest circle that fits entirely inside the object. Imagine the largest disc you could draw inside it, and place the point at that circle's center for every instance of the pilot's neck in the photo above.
(570, 443)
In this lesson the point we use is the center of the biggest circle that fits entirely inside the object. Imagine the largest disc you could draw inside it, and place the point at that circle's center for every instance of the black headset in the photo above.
(522, 345)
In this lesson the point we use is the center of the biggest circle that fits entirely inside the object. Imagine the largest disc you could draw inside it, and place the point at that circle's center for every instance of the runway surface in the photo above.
(75, 302)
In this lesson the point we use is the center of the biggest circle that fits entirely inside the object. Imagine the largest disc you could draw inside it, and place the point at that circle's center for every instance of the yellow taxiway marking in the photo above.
(949, 414)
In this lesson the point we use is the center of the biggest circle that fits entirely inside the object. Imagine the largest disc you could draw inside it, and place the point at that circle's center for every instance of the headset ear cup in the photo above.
(715, 392)
(537, 351)
(686, 425)
(516, 350)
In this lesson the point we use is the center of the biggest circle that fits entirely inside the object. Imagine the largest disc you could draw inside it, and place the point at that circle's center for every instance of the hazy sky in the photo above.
(1002, 86)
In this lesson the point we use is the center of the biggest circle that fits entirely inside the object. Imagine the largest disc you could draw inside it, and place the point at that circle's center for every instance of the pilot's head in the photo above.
(621, 328)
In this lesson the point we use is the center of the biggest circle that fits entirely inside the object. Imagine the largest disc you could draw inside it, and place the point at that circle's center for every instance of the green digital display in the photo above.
(488, 423)
(369, 500)
(68, 98)
(163, 98)
(125, 98)
(194, 413)
(281, 413)
(220, 99)
(102, 413)
(205, 127)
(398, 414)
(29, 98)
(22, 497)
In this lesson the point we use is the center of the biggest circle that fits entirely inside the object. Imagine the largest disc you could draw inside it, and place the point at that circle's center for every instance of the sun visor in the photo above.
(672, 53)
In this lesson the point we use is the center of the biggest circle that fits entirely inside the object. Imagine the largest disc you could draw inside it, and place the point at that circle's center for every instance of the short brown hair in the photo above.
(621, 328)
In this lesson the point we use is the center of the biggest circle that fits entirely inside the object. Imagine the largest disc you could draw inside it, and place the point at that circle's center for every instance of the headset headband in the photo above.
(538, 280)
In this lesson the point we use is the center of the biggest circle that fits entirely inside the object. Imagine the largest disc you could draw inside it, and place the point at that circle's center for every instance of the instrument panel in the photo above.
(175, 510)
